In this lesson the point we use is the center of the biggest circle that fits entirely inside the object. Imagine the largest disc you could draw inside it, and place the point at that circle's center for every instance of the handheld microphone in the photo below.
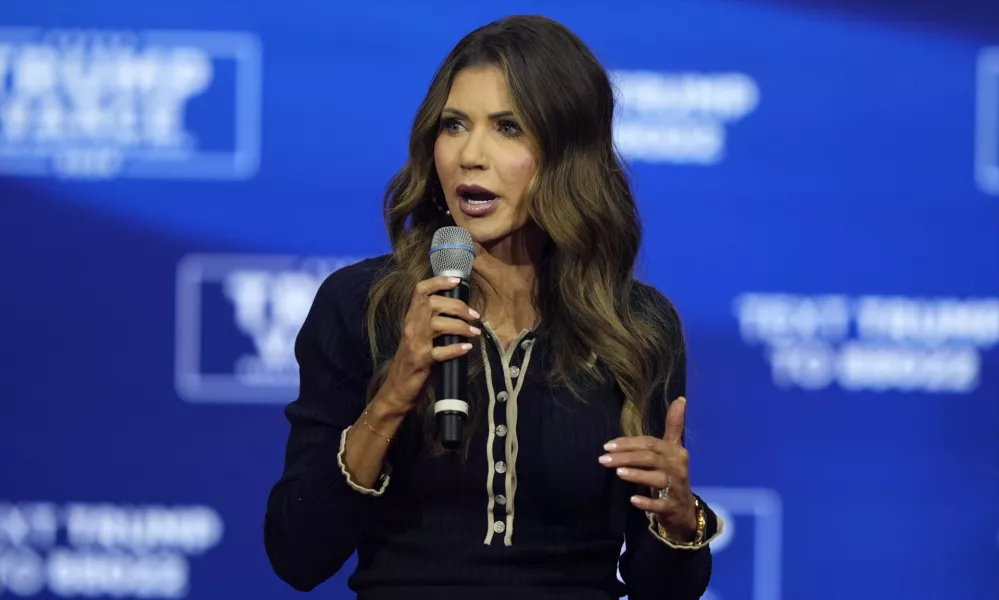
(451, 254)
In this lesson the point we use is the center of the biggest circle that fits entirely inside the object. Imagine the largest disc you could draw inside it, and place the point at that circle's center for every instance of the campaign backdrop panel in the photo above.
(819, 186)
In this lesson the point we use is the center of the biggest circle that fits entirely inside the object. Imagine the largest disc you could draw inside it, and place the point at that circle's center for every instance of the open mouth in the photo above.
(476, 201)
(478, 198)
(474, 194)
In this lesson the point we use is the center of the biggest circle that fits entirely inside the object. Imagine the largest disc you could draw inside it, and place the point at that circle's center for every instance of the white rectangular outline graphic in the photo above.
(189, 382)
(242, 163)
(987, 121)
(764, 505)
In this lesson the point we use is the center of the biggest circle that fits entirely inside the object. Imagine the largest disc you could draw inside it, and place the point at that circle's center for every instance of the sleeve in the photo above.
(652, 567)
(315, 513)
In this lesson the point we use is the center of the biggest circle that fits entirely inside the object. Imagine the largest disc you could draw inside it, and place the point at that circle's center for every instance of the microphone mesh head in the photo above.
(451, 252)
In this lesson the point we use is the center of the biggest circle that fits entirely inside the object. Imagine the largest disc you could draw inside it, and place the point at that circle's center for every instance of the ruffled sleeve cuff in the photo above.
(713, 529)
(382, 481)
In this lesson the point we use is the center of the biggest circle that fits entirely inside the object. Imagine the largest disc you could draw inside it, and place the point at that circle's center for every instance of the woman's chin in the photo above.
(486, 231)
(491, 230)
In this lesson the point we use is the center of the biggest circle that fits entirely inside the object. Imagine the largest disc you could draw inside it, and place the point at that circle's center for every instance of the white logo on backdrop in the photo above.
(760, 513)
(104, 104)
(109, 549)
(877, 343)
(266, 300)
(987, 122)
(679, 118)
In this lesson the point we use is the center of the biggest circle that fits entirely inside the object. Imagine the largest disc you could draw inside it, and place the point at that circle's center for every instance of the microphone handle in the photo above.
(451, 397)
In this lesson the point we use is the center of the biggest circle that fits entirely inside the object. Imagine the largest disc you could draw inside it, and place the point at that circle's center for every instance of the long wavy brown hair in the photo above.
(586, 295)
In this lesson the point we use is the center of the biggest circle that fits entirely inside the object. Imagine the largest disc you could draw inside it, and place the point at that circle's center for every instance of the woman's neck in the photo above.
(509, 268)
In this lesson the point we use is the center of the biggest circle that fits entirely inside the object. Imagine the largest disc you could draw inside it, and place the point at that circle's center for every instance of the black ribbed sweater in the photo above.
(530, 513)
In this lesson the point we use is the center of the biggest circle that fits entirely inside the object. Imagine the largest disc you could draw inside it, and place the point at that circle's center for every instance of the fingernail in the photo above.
(473, 313)
(610, 446)
(466, 346)
(453, 279)
(605, 459)
(622, 471)
(475, 330)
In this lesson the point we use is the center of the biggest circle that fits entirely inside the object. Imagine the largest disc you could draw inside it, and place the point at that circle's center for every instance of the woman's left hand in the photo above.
(663, 465)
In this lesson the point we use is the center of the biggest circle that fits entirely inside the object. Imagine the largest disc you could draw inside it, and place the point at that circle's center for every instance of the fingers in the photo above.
(442, 353)
(421, 331)
(430, 317)
(425, 292)
(436, 284)
(648, 461)
(452, 306)
(652, 479)
(631, 444)
(638, 458)
(650, 505)
(449, 326)
(675, 417)
(650, 467)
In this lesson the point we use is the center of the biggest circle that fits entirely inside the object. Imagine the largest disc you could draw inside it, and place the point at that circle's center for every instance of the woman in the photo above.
(570, 448)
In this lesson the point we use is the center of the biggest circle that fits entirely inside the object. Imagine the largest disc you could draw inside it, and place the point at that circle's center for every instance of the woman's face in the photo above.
(483, 158)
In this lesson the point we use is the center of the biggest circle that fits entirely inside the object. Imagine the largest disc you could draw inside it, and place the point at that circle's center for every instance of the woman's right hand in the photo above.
(427, 319)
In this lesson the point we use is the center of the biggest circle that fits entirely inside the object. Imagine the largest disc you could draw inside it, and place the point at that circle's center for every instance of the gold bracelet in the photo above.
(364, 420)
(702, 525)
(702, 521)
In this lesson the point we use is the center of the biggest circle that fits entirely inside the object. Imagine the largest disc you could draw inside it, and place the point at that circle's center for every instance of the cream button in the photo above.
(501, 430)
(514, 372)
(502, 396)
(501, 500)
(499, 526)
(501, 467)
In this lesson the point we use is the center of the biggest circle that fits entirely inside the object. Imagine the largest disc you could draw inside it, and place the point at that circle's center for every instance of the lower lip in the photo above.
(478, 209)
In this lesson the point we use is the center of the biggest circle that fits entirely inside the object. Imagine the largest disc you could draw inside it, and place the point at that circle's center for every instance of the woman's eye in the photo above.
(509, 128)
(450, 125)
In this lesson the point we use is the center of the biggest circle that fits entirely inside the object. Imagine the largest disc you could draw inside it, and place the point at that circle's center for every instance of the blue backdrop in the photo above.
(820, 188)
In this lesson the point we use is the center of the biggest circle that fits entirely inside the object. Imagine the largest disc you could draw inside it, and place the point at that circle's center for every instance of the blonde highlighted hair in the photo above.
(586, 295)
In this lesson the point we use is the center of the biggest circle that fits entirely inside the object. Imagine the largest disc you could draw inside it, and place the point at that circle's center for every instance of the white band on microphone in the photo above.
(451, 406)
